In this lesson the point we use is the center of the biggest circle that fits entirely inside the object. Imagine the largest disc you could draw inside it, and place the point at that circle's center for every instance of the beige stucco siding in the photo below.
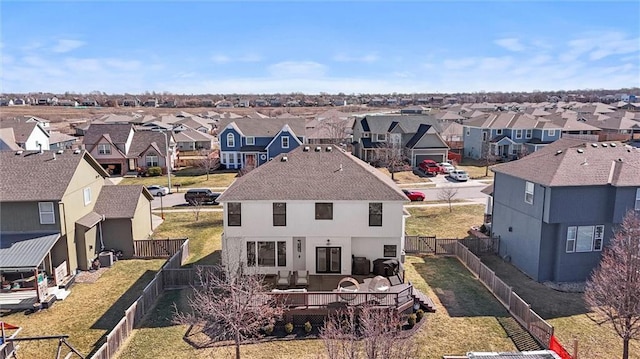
(87, 245)
(25, 217)
(142, 219)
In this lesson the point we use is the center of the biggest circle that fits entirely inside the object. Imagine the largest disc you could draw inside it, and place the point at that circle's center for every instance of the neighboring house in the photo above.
(251, 142)
(193, 140)
(556, 209)
(28, 135)
(55, 208)
(121, 149)
(61, 141)
(616, 128)
(507, 135)
(8, 140)
(416, 137)
(314, 208)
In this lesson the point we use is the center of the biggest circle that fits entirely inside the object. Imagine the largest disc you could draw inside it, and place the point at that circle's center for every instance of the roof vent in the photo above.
(620, 160)
(594, 145)
(284, 159)
(318, 149)
(604, 145)
(306, 148)
(59, 152)
(76, 151)
(612, 145)
(580, 150)
(328, 149)
(558, 152)
(19, 152)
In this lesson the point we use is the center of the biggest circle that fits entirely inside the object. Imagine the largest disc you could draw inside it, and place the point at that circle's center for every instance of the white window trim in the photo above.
(231, 140)
(282, 141)
(86, 194)
(601, 237)
(104, 149)
(551, 133)
(528, 133)
(637, 205)
(250, 140)
(381, 137)
(499, 132)
(157, 161)
(597, 232)
(529, 189)
(518, 134)
(571, 239)
(45, 211)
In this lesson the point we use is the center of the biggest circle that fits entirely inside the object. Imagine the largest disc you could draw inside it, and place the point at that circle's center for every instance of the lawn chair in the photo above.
(283, 280)
(302, 278)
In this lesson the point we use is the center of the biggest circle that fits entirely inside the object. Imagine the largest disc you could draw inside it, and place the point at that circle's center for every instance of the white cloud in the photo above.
(367, 58)
(220, 59)
(225, 59)
(600, 45)
(66, 45)
(458, 64)
(511, 44)
(289, 69)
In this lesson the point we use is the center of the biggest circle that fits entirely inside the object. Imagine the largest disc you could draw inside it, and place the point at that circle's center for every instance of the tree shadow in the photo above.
(213, 258)
(461, 294)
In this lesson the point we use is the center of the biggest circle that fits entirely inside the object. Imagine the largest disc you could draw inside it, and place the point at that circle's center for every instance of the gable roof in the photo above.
(119, 133)
(408, 123)
(22, 129)
(31, 176)
(8, 140)
(120, 201)
(58, 137)
(142, 140)
(190, 135)
(571, 162)
(309, 175)
(265, 127)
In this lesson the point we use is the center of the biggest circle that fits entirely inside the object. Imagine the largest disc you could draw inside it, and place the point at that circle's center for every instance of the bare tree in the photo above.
(336, 129)
(614, 287)
(389, 154)
(230, 305)
(208, 161)
(488, 157)
(196, 207)
(447, 194)
(339, 334)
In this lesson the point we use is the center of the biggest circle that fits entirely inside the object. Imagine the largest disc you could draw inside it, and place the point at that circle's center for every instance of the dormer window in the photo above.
(380, 137)
(251, 140)
(528, 133)
(499, 132)
(284, 141)
(518, 134)
(231, 140)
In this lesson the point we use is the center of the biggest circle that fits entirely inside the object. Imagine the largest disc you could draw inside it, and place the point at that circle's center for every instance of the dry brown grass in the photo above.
(405, 177)
(437, 221)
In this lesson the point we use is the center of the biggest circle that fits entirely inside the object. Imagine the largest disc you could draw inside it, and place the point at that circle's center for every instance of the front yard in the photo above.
(185, 180)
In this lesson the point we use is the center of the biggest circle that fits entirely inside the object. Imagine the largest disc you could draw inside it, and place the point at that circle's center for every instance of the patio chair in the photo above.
(283, 279)
(302, 278)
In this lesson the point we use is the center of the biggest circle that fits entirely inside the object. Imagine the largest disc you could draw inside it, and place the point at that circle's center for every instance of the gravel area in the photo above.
(90, 276)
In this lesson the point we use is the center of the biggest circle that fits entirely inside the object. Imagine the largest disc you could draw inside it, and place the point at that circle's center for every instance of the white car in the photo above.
(446, 167)
(157, 190)
(459, 175)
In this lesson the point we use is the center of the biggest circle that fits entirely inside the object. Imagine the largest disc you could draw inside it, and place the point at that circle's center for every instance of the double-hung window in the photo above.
(87, 195)
(231, 140)
(528, 192)
(518, 134)
(528, 133)
(279, 214)
(234, 214)
(375, 214)
(284, 141)
(152, 160)
(251, 140)
(47, 214)
(104, 149)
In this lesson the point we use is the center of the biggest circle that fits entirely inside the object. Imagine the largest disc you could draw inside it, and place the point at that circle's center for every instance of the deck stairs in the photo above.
(520, 337)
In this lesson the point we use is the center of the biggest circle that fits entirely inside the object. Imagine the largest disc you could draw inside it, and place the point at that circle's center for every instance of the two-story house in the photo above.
(314, 208)
(55, 208)
(556, 209)
(507, 135)
(251, 142)
(28, 135)
(415, 137)
(120, 149)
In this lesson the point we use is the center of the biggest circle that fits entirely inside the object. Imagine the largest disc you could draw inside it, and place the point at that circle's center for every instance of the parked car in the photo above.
(201, 196)
(157, 190)
(414, 195)
(429, 167)
(446, 167)
(459, 175)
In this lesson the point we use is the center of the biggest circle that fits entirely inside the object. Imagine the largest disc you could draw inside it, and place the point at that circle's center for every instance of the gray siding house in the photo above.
(556, 209)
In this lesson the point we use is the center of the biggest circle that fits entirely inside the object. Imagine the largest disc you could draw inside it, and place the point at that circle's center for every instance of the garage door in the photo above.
(437, 158)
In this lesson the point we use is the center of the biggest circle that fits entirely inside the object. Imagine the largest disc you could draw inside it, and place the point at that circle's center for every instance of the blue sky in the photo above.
(319, 46)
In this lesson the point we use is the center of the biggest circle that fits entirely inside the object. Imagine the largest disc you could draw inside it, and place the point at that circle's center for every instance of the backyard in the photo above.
(437, 221)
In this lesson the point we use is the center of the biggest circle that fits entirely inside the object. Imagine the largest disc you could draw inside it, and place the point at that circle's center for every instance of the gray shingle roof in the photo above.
(31, 176)
(25, 250)
(21, 130)
(408, 123)
(569, 162)
(265, 127)
(118, 132)
(143, 139)
(119, 201)
(311, 175)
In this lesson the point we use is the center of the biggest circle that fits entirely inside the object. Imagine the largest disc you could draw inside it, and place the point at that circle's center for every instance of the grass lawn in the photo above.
(465, 320)
(204, 235)
(566, 312)
(439, 222)
(215, 180)
(475, 169)
(405, 177)
(89, 312)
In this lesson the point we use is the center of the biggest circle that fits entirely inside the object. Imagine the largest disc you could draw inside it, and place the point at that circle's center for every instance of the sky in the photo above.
(218, 47)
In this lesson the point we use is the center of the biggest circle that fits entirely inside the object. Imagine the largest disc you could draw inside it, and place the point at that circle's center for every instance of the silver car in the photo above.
(157, 190)
(459, 175)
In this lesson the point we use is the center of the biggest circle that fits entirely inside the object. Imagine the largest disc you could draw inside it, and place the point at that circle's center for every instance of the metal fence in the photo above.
(135, 313)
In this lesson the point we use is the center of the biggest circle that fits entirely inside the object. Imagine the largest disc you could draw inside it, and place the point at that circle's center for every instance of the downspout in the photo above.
(100, 229)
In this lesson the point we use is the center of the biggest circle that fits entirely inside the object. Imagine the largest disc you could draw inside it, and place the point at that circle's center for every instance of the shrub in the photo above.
(419, 314)
(288, 328)
(308, 327)
(411, 320)
(268, 329)
(154, 171)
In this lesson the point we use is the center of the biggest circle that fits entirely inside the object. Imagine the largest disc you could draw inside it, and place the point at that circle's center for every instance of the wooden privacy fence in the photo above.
(157, 248)
(135, 313)
(431, 244)
(517, 307)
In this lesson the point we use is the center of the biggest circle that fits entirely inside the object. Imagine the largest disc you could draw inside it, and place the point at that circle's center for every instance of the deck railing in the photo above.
(324, 300)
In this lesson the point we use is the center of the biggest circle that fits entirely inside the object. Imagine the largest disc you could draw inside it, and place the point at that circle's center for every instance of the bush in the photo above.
(411, 320)
(268, 329)
(288, 328)
(308, 327)
(154, 171)
(419, 314)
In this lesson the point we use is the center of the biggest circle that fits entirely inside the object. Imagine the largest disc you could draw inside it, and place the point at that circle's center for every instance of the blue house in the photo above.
(555, 210)
(250, 142)
(507, 135)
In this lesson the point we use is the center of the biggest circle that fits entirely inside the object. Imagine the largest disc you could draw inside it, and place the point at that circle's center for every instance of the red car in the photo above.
(429, 167)
(414, 195)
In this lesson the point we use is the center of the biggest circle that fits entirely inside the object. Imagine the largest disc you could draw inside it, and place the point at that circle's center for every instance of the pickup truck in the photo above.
(429, 167)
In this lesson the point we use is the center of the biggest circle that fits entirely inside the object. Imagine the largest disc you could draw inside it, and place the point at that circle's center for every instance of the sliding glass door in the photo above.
(328, 259)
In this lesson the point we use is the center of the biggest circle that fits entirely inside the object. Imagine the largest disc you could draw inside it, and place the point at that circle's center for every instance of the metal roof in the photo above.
(25, 250)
